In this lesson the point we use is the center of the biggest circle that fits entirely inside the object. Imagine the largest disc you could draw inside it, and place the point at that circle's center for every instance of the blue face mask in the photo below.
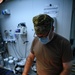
(44, 40)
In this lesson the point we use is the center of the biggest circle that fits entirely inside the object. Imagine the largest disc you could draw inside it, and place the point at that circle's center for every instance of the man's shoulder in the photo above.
(35, 39)
(61, 38)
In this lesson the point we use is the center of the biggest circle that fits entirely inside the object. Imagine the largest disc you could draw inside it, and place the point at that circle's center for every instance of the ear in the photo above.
(52, 28)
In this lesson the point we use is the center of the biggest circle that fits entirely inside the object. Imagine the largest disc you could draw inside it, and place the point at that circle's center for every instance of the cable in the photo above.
(17, 51)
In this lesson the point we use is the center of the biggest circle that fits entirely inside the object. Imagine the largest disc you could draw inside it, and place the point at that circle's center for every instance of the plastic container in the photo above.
(15, 61)
(1, 61)
(6, 62)
(11, 64)
(10, 58)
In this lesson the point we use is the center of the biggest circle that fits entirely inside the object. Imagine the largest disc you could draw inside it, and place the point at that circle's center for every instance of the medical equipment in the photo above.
(21, 29)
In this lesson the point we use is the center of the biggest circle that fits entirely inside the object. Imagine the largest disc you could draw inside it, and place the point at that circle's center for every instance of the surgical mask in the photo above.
(44, 40)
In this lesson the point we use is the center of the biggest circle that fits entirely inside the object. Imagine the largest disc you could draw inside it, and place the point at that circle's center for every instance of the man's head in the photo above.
(42, 24)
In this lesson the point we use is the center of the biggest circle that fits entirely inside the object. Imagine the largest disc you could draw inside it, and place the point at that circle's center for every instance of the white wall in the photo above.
(24, 10)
